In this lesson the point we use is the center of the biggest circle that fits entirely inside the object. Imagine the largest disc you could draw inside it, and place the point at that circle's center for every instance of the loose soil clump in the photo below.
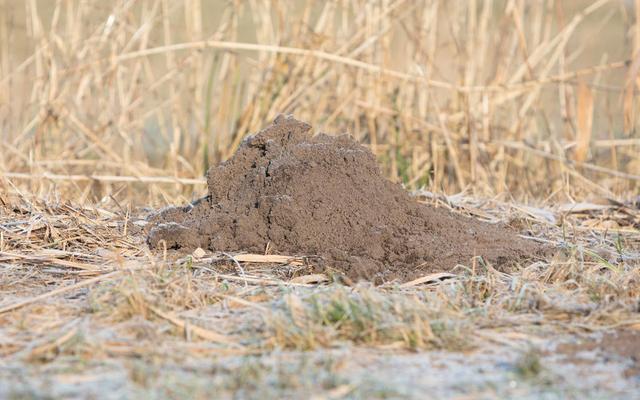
(293, 193)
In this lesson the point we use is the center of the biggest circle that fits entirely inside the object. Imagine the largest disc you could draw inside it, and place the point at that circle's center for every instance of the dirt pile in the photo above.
(320, 195)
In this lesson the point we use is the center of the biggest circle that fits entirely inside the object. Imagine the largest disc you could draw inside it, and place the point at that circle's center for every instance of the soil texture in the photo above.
(287, 191)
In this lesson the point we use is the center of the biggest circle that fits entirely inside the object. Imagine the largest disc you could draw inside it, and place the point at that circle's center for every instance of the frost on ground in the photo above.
(514, 370)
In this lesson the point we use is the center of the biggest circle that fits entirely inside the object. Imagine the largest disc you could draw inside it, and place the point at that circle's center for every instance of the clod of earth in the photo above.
(322, 195)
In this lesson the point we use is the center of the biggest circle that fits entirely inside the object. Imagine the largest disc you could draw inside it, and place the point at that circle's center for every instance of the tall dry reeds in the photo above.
(134, 100)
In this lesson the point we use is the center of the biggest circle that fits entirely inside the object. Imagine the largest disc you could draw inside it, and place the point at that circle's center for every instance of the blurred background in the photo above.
(527, 100)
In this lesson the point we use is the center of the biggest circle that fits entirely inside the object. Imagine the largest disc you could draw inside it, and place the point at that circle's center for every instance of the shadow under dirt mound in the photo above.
(324, 195)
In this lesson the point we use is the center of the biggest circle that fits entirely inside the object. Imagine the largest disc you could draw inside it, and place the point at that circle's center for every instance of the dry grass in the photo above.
(105, 109)
(138, 99)
(77, 288)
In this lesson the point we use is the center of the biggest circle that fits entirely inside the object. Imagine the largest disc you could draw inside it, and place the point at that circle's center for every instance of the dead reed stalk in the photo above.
(140, 98)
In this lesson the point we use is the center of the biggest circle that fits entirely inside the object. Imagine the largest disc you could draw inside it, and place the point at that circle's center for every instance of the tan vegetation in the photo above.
(492, 95)
(526, 109)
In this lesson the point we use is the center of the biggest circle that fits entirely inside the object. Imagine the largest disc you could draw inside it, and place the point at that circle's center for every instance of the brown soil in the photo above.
(301, 194)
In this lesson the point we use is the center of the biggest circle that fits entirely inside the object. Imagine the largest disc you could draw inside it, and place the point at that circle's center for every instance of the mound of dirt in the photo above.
(301, 194)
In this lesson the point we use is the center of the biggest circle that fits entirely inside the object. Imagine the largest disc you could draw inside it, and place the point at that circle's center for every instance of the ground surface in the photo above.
(111, 104)
(87, 311)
